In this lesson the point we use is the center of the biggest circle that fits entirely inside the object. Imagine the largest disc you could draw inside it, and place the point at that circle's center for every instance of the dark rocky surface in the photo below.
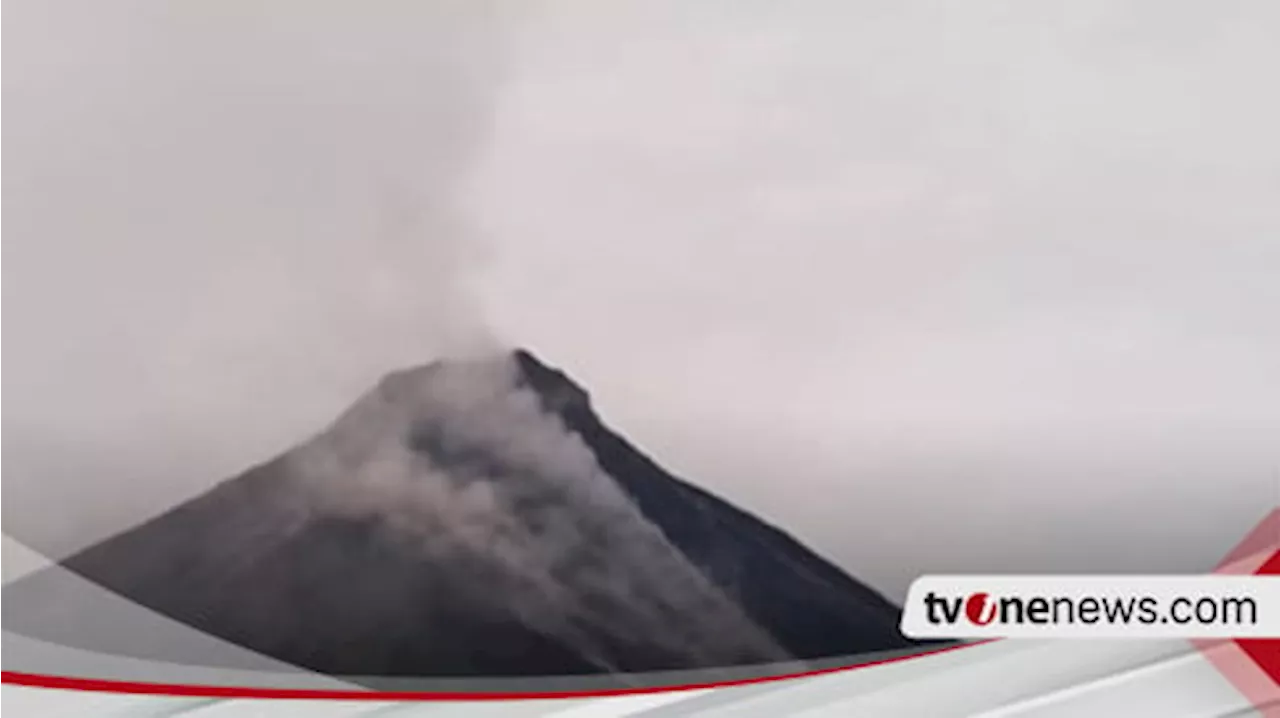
(429, 532)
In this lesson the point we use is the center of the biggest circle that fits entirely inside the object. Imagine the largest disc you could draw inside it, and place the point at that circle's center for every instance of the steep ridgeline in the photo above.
(477, 519)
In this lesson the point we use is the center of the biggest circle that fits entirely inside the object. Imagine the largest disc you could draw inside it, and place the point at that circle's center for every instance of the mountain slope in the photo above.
(477, 518)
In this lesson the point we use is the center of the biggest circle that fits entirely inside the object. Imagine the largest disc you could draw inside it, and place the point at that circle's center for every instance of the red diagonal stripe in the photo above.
(1252, 666)
(1264, 537)
(1266, 652)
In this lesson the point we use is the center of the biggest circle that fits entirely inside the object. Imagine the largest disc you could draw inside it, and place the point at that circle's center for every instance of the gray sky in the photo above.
(934, 287)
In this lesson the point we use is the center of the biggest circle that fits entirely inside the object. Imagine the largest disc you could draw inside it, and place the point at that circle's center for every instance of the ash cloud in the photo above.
(224, 221)
(464, 464)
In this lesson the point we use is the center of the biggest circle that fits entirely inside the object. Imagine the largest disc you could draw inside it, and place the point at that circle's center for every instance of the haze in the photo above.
(935, 288)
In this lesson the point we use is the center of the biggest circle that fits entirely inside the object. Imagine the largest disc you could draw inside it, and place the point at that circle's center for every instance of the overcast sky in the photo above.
(934, 286)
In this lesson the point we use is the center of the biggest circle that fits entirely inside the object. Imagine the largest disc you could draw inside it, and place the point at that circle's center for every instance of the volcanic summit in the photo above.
(477, 518)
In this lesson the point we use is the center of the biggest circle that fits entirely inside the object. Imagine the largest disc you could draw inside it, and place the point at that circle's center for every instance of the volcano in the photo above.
(477, 518)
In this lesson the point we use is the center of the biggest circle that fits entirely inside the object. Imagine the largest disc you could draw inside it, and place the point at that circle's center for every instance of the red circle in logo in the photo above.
(974, 609)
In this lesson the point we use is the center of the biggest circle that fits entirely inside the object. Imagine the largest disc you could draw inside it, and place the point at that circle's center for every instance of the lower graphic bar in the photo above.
(1216, 606)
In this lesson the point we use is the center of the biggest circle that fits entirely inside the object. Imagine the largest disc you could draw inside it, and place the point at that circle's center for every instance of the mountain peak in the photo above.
(440, 528)
(473, 376)
(560, 394)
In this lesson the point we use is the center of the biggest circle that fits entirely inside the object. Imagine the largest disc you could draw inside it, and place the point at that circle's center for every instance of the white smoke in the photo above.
(229, 218)
(225, 220)
(507, 486)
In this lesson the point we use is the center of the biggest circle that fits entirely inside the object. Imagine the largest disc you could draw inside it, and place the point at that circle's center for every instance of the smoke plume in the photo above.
(230, 219)
(464, 463)
(225, 220)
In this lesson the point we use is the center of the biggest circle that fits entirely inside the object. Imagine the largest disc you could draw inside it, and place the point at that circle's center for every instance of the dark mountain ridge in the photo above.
(478, 519)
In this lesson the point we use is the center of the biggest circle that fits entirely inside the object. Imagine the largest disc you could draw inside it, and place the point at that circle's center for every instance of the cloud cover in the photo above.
(909, 279)
(914, 278)
(223, 222)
